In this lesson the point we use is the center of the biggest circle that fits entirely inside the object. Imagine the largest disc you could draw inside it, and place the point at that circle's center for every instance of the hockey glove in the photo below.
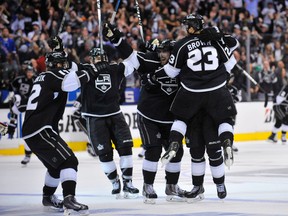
(55, 43)
(102, 67)
(147, 46)
(3, 129)
(111, 33)
(211, 34)
(235, 93)
(149, 80)
(90, 69)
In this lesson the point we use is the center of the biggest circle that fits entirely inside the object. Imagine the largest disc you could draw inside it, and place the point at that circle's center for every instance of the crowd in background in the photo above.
(260, 26)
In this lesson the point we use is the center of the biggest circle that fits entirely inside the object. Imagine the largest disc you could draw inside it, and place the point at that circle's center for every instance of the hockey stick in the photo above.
(139, 20)
(64, 17)
(114, 12)
(100, 29)
(255, 82)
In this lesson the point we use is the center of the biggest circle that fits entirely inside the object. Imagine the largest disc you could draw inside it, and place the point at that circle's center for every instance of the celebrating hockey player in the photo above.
(45, 108)
(106, 123)
(202, 136)
(153, 116)
(202, 60)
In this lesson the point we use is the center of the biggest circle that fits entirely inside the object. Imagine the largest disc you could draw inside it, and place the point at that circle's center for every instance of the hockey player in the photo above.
(202, 61)
(201, 136)
(280, 108)
(153, 116)
(106, 123)
(45, 108)
(21, 86)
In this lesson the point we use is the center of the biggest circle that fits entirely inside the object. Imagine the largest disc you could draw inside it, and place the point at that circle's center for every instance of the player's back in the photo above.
(46, 102)
(201, 63)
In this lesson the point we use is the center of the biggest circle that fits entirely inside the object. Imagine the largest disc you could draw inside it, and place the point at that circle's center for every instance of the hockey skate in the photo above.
(52, 202)
(72, 207)
(221, 191)
(228, 153)
(116, 188)
(170, 153)
(149, 194)
(175, 193)
(129, 190)
(196, 194)
(26, 160)
(272, 138)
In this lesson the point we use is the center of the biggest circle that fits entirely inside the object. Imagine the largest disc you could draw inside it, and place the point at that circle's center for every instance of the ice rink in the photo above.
(257, 185)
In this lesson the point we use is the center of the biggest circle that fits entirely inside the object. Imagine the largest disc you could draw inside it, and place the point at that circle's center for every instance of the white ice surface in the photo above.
(257, 185)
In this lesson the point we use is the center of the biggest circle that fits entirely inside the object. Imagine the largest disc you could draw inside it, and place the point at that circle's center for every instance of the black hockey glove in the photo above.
(147, 46)
(102, 66)
(55, 43)
(211, 34)
(149, 80)
(3, 129)
(234, 93)
(111, 33)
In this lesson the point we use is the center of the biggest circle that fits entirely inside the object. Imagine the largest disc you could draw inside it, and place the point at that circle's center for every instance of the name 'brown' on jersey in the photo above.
(202, 63)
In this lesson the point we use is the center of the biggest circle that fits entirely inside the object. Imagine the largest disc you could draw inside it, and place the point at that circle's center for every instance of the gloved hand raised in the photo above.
(211, 34)
(96, 69)
(55, 43)
(147, 46)
(111, 33)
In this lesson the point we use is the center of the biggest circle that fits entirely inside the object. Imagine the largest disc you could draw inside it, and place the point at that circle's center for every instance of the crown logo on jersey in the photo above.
(168, 85)
(103, 82)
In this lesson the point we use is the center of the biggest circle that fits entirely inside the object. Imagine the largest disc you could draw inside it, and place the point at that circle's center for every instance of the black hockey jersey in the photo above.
(154, 103)
(200, 65)
(22, 85)
(48, 99)
(100, 97)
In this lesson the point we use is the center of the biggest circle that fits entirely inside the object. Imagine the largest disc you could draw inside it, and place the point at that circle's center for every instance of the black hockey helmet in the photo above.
(166, 45)
(95, 54)
(195, 21)
(53, 58)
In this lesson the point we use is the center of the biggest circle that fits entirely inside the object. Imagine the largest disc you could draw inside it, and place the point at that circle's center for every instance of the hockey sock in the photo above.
(69, 188)
(48, 191)
(28, 153)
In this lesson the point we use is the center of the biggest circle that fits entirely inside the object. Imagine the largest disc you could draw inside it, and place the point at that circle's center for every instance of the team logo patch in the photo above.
(103, 82)
(168, 85)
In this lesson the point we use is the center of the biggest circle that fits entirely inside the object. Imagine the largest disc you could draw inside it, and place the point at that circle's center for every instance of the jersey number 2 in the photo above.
(35, 92)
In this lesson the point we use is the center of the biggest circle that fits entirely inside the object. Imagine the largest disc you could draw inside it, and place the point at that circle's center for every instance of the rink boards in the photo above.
(253, 122)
